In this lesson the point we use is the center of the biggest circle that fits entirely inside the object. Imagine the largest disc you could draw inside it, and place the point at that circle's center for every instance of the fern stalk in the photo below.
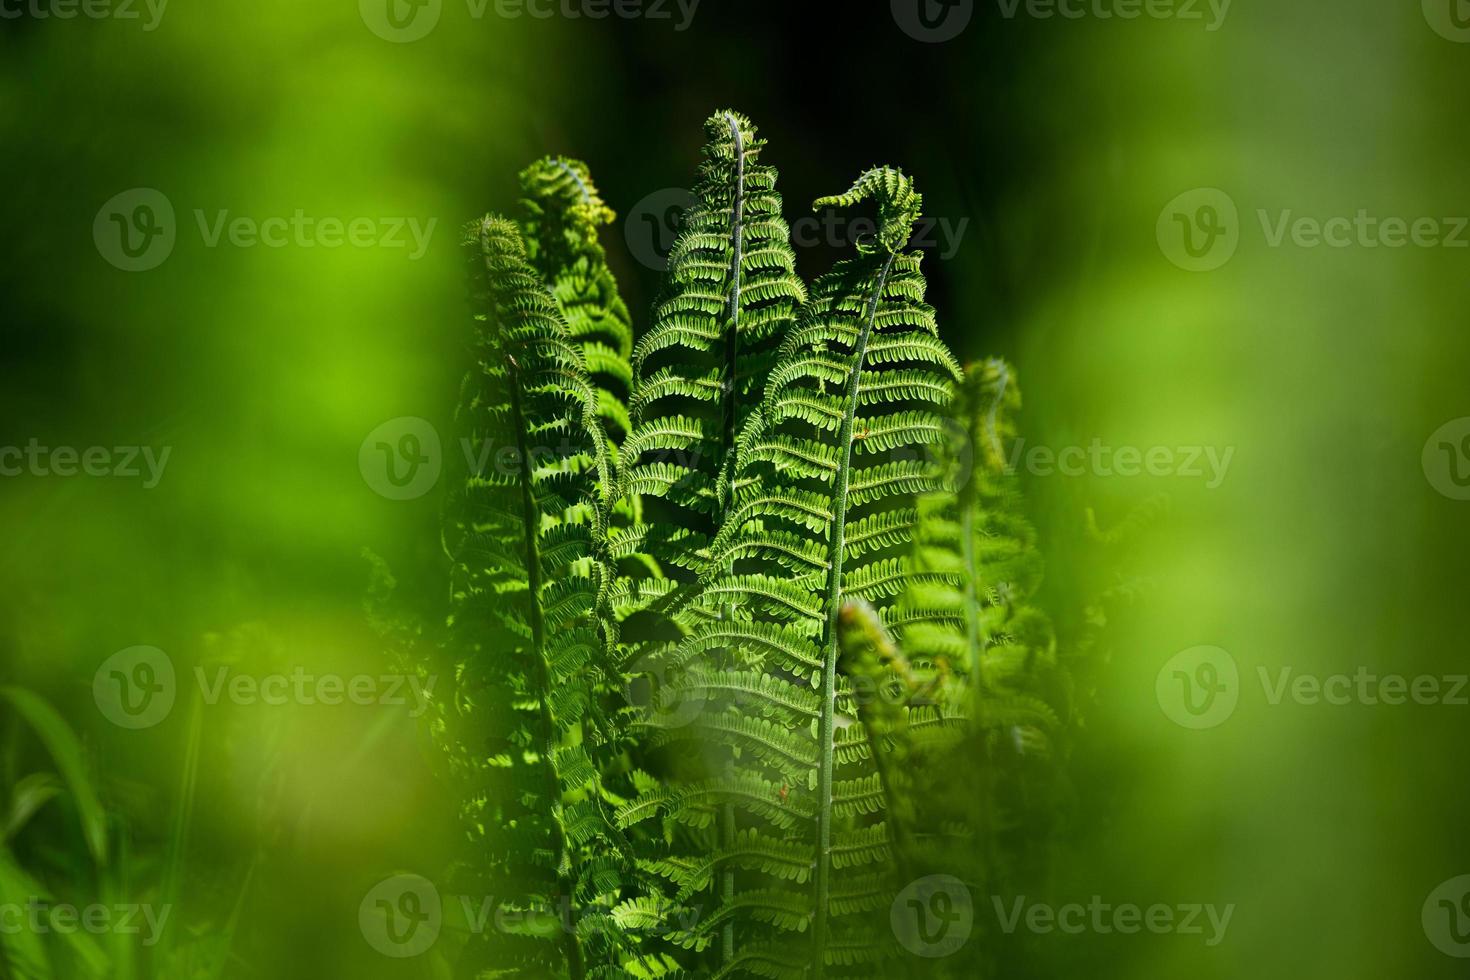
(836, 550)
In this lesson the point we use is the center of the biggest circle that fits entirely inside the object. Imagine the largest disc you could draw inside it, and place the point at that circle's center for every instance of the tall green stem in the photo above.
(836, 548)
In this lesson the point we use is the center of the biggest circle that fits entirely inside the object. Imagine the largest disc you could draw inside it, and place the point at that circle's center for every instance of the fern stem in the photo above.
(571, 945)
(727, 478)
(836, 549)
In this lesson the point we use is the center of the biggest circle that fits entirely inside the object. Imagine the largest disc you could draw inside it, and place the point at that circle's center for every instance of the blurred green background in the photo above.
(1059, 141)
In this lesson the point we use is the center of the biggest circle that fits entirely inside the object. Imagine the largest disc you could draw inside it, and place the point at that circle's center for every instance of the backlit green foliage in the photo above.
(751, 586)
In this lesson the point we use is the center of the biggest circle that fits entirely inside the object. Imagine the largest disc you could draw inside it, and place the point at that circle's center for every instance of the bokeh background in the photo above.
(1057, 141)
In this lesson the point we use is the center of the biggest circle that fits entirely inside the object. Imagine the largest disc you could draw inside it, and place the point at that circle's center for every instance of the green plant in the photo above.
(779, 538)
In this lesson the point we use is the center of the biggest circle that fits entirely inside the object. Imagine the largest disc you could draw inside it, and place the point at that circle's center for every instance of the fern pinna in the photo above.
(823, 490)
(525, 531)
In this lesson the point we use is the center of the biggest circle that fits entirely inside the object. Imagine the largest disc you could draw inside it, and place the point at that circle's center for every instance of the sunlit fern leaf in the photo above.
(729, 297)
(562, 216)
(817, 459)
(530, 633)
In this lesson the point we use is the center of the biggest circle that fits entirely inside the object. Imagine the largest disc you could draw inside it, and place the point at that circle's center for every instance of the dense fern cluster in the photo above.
(738, 598)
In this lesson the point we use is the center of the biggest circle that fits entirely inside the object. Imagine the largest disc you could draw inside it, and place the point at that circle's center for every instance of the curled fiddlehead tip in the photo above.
(494, 236)
(562, 184)
(899, 206)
